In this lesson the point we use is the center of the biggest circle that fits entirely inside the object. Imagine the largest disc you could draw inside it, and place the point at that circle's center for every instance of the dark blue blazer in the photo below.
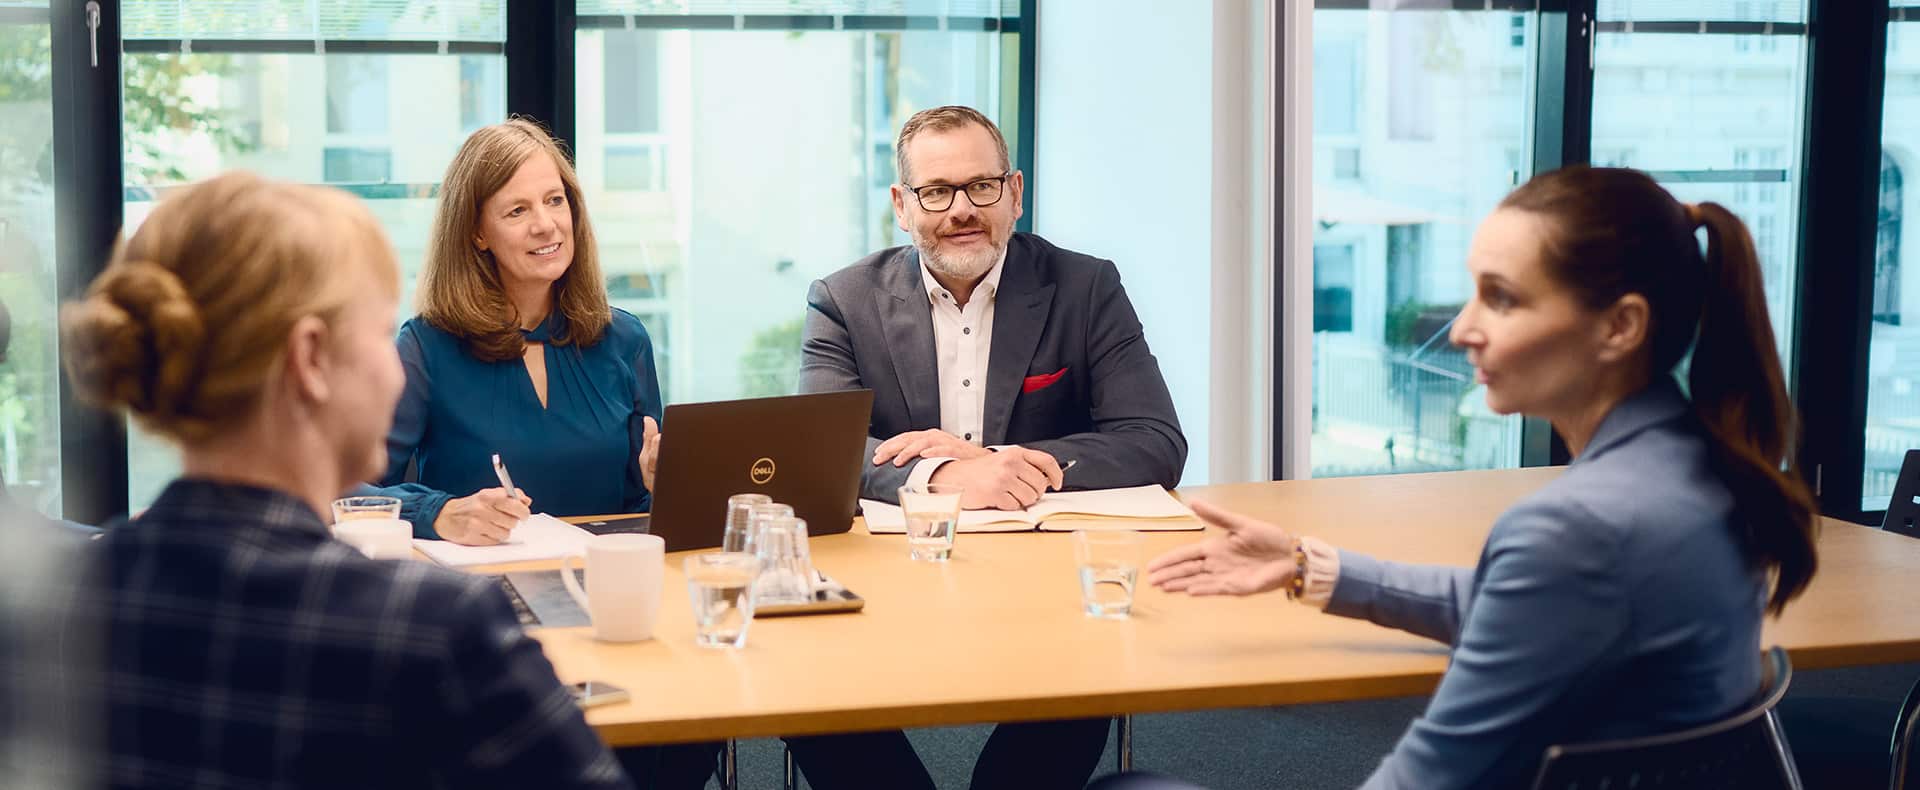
(1069, 373)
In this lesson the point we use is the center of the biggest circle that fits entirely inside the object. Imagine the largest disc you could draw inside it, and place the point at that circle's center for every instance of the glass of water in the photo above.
(786, 568)
(720, 588)
(1109, 563)
(758, 517)
(354, 508)
(740, 520)
(933, 516)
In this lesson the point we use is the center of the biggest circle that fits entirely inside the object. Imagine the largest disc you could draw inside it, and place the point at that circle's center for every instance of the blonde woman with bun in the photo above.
(250, 322)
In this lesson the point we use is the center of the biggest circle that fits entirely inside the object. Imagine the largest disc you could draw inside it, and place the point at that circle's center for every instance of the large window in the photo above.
(382, 126)
(730, 161)
(1421, 120)
(1893, 364)
(1710, 97)
(29, 374)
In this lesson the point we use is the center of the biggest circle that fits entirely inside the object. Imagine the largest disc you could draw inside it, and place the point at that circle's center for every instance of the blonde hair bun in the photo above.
(135, 341)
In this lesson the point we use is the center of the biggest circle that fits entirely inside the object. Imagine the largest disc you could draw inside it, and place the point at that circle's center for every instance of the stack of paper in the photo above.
(538, 537)
(1145, 508)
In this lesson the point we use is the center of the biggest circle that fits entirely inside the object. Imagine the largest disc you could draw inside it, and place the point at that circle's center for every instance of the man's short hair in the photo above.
(943, 119)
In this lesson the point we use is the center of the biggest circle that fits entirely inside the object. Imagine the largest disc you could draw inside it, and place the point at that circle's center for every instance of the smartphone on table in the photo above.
(596, 692)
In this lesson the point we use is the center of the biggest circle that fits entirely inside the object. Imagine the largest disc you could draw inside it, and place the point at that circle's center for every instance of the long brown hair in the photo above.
(460, 289)
(188, 323)
(1612, 232)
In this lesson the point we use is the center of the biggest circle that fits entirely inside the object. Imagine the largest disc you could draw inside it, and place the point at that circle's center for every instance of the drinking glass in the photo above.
(720, 589)
(933, 516)
(1109, 564)
(740, 520)
(358, 507)
(760, 516)
(786, 568)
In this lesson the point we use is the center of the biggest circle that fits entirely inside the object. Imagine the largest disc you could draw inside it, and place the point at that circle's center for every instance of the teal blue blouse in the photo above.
(578, 455)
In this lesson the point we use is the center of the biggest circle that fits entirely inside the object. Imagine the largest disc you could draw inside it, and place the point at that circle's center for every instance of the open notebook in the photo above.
(1145, 508)
(538, 537)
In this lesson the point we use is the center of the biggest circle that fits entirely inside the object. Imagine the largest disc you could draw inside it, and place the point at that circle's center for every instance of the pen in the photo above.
(500, 471)
(1063, 467)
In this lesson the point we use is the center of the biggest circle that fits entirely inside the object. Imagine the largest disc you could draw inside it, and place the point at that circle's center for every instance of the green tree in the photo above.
(155, 102)
(772, 362)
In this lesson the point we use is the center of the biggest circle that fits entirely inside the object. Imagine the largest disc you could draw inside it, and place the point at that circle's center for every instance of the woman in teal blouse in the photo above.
(516, 352)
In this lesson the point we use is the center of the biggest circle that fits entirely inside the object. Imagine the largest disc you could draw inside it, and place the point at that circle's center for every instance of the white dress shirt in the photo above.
(962, 344)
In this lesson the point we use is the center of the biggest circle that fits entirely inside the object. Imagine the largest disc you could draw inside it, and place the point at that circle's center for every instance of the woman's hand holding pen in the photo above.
(484, 519)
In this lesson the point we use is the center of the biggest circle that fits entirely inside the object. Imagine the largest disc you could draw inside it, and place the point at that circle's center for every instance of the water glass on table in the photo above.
(354, 508)
(740, 520)
(720, 589)
(786, 567)
(933, 516)
(373, 525)
(1109, 564)
(757, 519)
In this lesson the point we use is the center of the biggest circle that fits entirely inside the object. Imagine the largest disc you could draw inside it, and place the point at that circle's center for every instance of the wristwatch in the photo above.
(1298, 584)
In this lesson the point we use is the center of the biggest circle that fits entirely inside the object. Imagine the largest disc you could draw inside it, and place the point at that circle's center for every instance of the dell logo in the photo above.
(762, 471)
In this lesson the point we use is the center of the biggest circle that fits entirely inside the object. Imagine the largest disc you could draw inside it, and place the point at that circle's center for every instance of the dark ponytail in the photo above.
(1741, 396)
(1613, 232)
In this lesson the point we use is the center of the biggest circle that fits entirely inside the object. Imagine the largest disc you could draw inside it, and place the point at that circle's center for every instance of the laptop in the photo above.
(802, 450)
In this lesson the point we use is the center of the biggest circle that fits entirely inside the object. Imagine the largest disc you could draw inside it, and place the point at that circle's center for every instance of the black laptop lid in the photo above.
(802, 450)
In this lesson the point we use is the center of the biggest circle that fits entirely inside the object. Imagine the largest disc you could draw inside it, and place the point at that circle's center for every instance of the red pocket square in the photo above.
(1038, 383)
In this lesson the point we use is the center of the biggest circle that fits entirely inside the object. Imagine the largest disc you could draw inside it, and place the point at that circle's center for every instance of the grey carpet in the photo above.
(1304, 747)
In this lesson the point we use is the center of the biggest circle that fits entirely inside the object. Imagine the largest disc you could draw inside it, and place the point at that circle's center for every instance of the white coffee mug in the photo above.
(623, 585)
(378, 538)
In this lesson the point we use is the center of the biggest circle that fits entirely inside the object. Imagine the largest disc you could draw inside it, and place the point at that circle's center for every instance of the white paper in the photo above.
(1139, 502)
(537, 537)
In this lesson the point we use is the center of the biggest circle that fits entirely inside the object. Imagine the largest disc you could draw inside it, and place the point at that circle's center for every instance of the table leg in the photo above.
(1125, 751)
(730, 766)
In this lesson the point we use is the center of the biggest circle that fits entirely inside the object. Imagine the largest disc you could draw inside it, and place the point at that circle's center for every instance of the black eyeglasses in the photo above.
(982, 193)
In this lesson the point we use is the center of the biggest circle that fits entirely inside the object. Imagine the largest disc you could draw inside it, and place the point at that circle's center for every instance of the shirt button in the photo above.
(966, 331)
(966, 382)
(969, 437)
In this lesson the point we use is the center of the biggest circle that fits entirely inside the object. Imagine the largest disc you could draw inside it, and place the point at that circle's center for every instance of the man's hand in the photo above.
(914, 445)
(1007, 480)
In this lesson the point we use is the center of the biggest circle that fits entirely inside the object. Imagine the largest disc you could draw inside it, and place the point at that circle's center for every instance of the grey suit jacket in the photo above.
(1056, 312)
(1615, 602)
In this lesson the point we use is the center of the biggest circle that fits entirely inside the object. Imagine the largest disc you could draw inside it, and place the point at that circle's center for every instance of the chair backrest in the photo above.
(1904, 770)
(1746, 751)
(1903, 513)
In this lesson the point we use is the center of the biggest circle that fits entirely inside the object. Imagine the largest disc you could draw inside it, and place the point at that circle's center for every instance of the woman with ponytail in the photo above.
(1625, 598)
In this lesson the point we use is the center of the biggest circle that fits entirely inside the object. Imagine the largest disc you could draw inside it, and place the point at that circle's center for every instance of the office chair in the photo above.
(1903, 513)
(1746, 751)
(1903, 731)
(1903, 517)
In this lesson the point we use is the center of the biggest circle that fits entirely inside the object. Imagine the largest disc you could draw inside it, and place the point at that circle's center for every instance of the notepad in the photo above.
(538, 537)
(1143, 508)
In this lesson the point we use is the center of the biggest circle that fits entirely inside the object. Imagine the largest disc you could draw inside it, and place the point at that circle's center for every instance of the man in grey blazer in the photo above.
(976, 339)
(998, 362)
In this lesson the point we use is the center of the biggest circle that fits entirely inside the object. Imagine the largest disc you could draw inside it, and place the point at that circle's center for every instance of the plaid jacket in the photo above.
(244, 648)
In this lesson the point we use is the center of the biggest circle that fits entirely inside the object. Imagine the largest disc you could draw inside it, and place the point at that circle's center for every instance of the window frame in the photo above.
(540, 84)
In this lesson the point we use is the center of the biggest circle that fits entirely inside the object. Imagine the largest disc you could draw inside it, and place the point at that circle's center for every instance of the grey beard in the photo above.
(961, 267)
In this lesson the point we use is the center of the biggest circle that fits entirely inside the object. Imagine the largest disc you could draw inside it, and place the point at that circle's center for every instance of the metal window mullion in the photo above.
(87, 190)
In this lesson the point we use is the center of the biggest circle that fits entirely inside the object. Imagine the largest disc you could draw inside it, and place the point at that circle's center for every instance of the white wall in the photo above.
(1125, 99)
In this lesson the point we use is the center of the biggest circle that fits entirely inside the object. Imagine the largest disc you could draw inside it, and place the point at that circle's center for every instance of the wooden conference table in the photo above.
(997, 634)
